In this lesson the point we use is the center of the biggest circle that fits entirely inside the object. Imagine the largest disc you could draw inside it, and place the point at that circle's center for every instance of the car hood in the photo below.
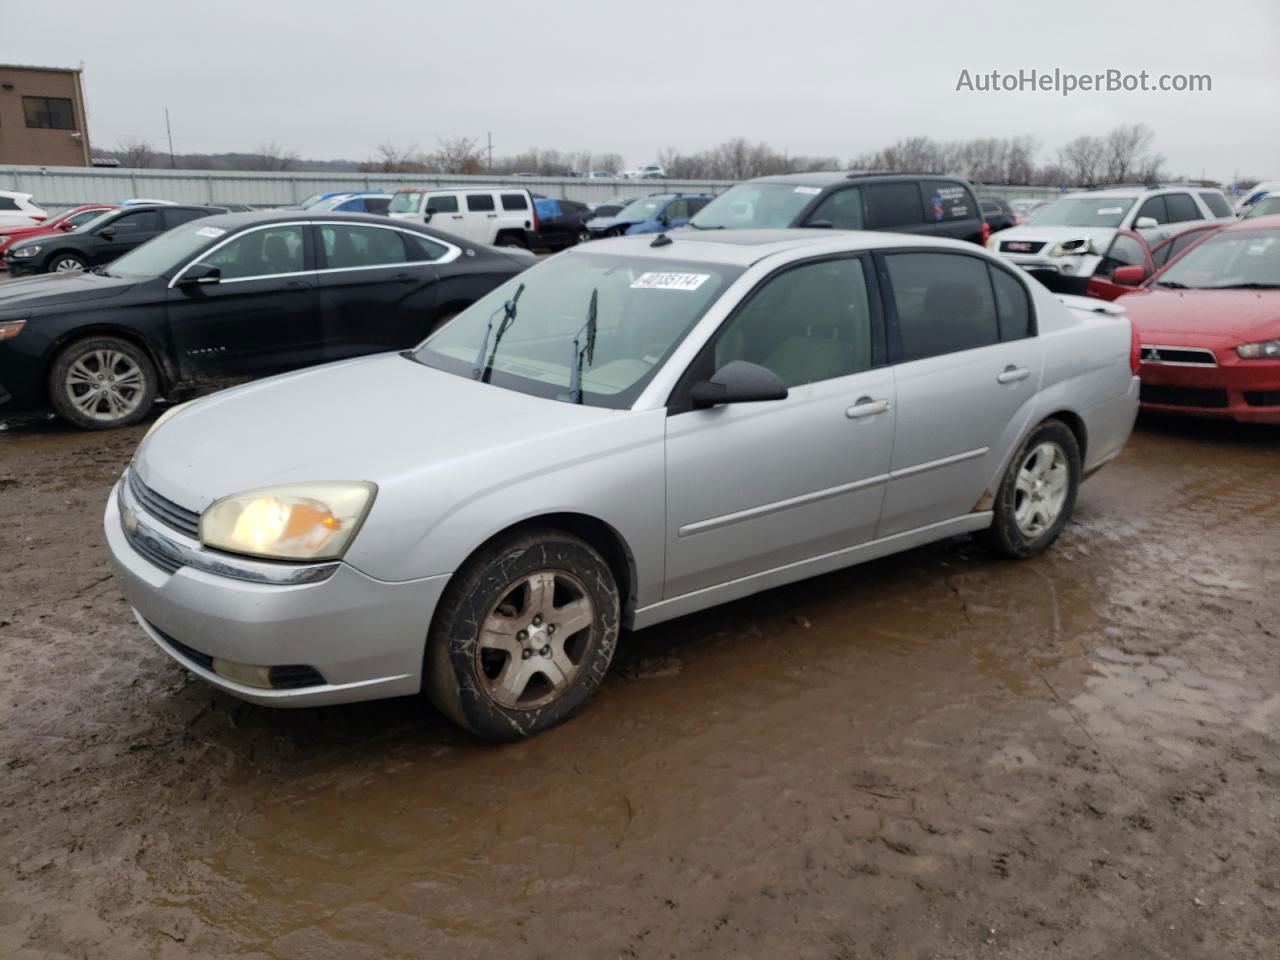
(1101, 236)
(16, 233)
(58, 290)
(608, 223)
(384, 418)
(1228, 316)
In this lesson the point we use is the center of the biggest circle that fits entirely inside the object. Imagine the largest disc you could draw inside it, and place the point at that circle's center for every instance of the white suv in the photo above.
(17, 210)
(498, 217)
(1063, 243)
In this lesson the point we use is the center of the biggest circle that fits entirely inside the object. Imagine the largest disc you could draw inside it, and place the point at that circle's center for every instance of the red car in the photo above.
(1209, 326)
(1129, 262)
(64, 222)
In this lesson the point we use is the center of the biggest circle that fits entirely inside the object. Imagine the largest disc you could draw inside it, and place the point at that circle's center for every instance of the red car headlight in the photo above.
(1266, 350)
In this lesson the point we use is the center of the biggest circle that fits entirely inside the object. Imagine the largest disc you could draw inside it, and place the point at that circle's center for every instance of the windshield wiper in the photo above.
(589, 350)
(484, 359)
(1251, 285)
(1172, 285)
(698, 226)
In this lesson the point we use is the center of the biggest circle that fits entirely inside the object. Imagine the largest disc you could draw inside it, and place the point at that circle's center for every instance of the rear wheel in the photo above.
(512, 240)
(1038, 492)
(67, 263)
(523, 636)
(102, 382)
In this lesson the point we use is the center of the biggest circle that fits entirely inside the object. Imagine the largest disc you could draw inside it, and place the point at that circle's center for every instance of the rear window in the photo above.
(949, 201)
(513, 201)
(1181, 207)
(1216, 203)
(893, 205)
(480, 201)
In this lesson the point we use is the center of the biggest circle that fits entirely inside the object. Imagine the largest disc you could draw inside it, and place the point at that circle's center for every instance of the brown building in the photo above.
(42, 117)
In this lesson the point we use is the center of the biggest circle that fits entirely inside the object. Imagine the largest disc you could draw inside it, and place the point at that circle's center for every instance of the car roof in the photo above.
(236, 221)
(742, 248)
(827, 178)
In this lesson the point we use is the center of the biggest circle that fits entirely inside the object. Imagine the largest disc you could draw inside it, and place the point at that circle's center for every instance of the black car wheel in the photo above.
(67, 263)
(511, 240)
(523, 635)
(102, 382)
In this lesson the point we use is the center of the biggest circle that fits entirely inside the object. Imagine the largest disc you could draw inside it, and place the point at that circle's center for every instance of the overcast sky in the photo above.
(333, 78)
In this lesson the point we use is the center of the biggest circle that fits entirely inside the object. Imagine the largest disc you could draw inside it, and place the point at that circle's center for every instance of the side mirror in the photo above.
(427, 215)
(200, 273)
(1129, 276)
(107, 233)
(1145, 223)
(65, 227)
(738, 382)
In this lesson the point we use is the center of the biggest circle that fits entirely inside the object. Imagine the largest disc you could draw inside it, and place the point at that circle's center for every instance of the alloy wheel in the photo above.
(105, 385)
(1041, 489)
(68, 265)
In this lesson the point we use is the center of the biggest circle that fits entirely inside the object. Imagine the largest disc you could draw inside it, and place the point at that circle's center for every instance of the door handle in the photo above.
(1012, 374)
(404, 278)
(866, 407)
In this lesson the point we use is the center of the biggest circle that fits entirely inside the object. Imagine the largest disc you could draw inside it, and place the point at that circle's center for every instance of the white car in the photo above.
(1256, 193)
(17, 210)
(498, 217)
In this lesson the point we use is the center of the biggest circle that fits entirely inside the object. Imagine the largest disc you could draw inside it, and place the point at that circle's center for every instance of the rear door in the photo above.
(374, 290)
(260, 317)
(966, 366)
(951, 210)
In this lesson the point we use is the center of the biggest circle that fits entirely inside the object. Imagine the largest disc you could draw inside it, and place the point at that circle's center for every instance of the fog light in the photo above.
(245, 673)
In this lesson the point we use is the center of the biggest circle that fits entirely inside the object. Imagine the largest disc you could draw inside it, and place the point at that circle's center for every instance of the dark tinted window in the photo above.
(989, 206)
(1180, 243)
(177, 216)
(480, 201)
(696, 204)
(1013, 304)
(424, 248)
(842, 209)
(677, 210)
(445, 204)
(8, 203)
(946, 200)
(1216, 203)
(378, 205)
(1181, 207)
(893, 205)
(511, 201)
(359, 246)
(944, 303)
(811, 323)
(52, 113)
(259, 253)
(1155, 209)
(140, 221)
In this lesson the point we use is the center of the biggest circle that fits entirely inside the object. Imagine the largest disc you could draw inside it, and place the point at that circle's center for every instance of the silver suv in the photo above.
(1063, 243)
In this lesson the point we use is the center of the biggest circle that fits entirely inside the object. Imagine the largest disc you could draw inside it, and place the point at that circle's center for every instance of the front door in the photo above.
(967, 367)
(116, 238)
(756, 486)
(1126, 250)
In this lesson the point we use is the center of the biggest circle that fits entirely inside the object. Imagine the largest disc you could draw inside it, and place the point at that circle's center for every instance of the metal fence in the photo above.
(56, 188)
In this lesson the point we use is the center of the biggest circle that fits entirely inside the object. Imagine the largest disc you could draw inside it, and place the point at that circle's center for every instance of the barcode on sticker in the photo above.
(669, 281)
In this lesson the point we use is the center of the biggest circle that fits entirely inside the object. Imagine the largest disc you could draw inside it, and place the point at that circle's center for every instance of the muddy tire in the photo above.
(102, 382)
(1038, 492)
(523, 635)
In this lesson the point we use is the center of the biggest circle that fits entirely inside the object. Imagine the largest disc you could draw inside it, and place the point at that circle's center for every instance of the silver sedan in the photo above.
(623, 434)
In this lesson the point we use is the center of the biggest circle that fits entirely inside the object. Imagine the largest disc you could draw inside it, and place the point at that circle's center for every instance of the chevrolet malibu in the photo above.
(626, 433)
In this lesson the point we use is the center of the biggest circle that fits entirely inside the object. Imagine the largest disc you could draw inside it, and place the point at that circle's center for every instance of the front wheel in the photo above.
(1038, 492)
(523, 635)
(67, 263)
(102, 382)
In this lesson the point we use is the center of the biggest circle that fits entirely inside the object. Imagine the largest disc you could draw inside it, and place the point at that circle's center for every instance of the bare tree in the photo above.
(1084, 160)
(1125, 151)
(394, 158)
(272, 156)
(136, 152)
(459, 155)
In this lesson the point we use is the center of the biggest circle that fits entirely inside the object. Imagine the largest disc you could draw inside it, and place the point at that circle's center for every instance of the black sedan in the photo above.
(101, 240)
(997, 214)
(230, 298)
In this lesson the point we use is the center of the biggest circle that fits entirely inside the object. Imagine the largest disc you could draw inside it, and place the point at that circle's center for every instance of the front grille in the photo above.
(151, 554)
(171, 514)
(1184, 396)
(1021, 246)
(1195, 356)
(1262, 398)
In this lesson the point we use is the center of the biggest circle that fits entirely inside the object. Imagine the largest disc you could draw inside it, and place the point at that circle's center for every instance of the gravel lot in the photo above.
(938, 755)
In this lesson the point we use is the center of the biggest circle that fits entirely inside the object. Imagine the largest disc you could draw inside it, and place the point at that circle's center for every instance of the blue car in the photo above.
(366, 201)
(651, 214)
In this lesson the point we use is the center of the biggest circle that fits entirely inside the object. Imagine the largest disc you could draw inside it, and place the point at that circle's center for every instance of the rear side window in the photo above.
(513, 201)
(1181, 207)
(444, 204)
(349, 245)
(1155, 209)
(944, 303)
(1216, 203)
(8, 203)
(176, 216)
(946, 201)
(1180, 243)
(260, 253)
(480, 201)
(696, 204)
(893, 205)
(138, 222)
(424, 248)
(842, 209)
(1013, 305)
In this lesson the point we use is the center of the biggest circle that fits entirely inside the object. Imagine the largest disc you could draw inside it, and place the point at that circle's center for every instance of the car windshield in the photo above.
(331, 202)
(1249, 259)
(405, 201)
(646, 208)
(1083, 212)
(645, 307)
(311, 199)
(755, 206)
(163, 253)
(1264, 208)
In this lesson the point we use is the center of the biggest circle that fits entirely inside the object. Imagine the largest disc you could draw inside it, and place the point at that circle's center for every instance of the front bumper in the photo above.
(363, 637)
(1247, 391)
(1059, 274)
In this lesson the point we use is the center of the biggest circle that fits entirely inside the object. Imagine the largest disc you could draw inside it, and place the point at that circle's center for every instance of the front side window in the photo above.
(50, 113)
(677, 210)
(893, 205)
(807, 324)
(646, 208)
(756, 206)
(349, 245)
(176, 216)
(140, 222)
(444, 203)
(480, 202)
(1125, 251)
(1155, 209)
(78, 220)
(842, 209)
(260, 253)
(944, 303)
(1181, 208)
(645, 307)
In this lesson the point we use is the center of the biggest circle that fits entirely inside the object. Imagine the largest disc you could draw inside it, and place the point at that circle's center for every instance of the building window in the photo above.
(50, 113)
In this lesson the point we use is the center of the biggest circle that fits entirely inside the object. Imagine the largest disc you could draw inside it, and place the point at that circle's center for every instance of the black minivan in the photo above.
(928, 204)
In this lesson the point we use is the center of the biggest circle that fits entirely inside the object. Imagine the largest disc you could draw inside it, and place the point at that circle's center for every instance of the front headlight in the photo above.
(297, 521)
(1266, 350)
(1071, 248)
(19, 252)
(165, 416)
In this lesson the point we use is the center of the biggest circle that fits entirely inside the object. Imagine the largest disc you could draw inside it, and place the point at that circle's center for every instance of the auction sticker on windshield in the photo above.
(669, 281)
(213, 233)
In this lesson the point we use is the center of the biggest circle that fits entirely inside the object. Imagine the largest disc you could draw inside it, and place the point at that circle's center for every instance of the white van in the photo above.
(499, 217)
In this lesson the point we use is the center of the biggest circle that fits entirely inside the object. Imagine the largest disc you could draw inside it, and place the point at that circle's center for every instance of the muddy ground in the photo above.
(938, 755)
